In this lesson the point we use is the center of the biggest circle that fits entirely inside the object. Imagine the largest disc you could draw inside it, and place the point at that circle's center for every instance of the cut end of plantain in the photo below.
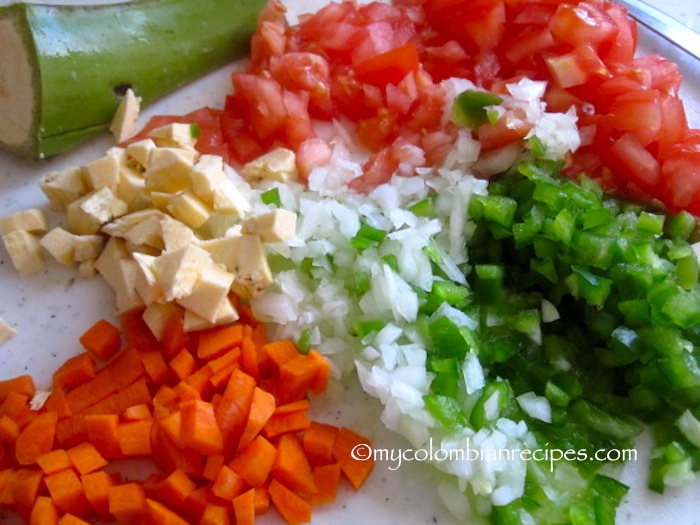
(17, 94)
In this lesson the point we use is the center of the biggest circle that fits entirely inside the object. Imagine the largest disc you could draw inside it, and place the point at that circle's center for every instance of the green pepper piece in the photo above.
(469, 107)
(602, 421)
(446, 410)
(480, 416)
(586, 285)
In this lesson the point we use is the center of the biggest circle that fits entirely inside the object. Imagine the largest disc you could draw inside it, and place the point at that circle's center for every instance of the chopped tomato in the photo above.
(631, 162)
(379, 66)
(583, 23)
(390, 67)
(578, 66)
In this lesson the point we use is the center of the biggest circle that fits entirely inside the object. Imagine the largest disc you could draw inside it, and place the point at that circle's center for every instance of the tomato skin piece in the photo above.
(261, 102)
(390, 67)
(579, 66)
(311, 153)
(631, 162)
(506, 130)
(625, 43)
(655, 72)
(638, 112)
(583, 23)
(478, 25)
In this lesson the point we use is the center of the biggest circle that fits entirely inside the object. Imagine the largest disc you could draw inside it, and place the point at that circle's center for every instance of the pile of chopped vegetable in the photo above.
(455, 169)
(221, 415)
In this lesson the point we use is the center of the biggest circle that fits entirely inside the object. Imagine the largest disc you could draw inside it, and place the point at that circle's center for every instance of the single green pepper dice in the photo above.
(469, 107)
(367, 236)
(489, 283)
(446, 410)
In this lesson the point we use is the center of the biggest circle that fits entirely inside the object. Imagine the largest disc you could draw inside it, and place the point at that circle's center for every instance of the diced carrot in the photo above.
(327, 481)
(102, 340)
(293, 508)
(319, 383)
(54, 461)
(249, 358)
(155, 366)
(159, 514)
(75, 371)
(85, 458)
(44, 512)
(197, 503)
(127, 502)
(227, 484)
(296, 375)
(122, 371)
(65, 489)
(137, 332)
(186, 392)
(212, 466)
(199, 427)
(9, 429)
(7, 486)
(232, 410)
(172, 426)
(280, 352)
(58, 403)
(254, 462)
(294, 406)
(245, 315)
(222, 367)
(199, 380)
(262, 499)
(102, 433)
(36, 438)
(137, 393)
(23, 385)
(318, 441)
(71, 519)
(262, 406)
(174, 337)
(168, 456)
(259, 335)
(244, 508)
(14, 405)
(355, 470)
(164, 402)
(183, 364)
(134, 438)
(96, 486)
(283, 423)
(213, 343)
(27, 483)
(71, 430)
(291, 466)
(174, 489)
(215, 515)
(137, 413)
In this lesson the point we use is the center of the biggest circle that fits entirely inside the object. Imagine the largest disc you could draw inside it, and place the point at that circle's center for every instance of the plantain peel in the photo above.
(64, 68)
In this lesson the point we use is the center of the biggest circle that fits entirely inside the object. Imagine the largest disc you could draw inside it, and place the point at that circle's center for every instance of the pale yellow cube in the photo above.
(89, 213)
(209, 292)
(59, 243)
(187, 208)
(178, 271)
(25, 251)
(32, 220)
(102, 173)
(168, 170)
(63, 187)
(275, 226)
